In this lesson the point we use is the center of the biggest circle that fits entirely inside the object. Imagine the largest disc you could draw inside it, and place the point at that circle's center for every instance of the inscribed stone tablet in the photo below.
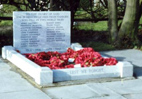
(36, 31)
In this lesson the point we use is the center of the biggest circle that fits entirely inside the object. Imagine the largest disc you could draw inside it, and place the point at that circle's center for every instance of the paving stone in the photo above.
(9, 75)
(101, 89)
(13, 86)
(131, 55)
(109, 97)
(11, 81)
(125, 87)
(71, 92)
(1, 61)
(28, 94)
(104, 92)
(4, 67)
(133, 96)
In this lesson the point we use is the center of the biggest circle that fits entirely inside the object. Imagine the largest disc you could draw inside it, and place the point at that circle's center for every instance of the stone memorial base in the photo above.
(44, 75)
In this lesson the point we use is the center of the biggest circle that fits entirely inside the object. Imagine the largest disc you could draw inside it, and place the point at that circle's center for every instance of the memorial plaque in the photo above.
(36, 31)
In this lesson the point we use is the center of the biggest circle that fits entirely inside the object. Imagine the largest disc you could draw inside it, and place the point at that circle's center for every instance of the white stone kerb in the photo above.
(41, 75)
(44, 75)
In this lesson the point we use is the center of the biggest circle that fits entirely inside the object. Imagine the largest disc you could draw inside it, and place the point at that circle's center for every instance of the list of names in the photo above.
(41, 31)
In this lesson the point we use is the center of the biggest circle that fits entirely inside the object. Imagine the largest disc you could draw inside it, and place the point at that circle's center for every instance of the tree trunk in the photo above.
(74, 4)
(140, 9)
(112, 22)
(127, 35)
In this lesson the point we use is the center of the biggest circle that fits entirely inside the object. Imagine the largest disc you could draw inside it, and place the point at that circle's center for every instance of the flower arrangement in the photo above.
(85, 57)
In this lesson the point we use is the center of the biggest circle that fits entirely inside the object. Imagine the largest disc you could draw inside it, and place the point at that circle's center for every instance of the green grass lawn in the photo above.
(99, 46)
(99, 26)
(6, 23)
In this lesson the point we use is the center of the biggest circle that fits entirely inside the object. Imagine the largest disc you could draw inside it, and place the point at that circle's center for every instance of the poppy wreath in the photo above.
(86, 57)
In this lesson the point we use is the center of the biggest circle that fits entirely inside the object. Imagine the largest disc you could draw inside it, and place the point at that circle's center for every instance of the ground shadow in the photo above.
(89, 35)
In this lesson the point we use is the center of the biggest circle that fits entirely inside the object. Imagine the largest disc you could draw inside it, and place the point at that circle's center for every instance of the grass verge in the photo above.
(99, 46)
(99, 26)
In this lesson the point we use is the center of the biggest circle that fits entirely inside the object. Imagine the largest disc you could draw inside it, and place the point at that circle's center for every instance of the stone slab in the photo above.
(4, 66)
(101, 89)
(71, 92)
(85, 91)
(130, 55)
(13, 86)
(110, 97)
(36, 31)
(104, 92)
(133, 96)
(12, 82)
(9, 74)
(1, 60)
(125, 87)
(24, 94)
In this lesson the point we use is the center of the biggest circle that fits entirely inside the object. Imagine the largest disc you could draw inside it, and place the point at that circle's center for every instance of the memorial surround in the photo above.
(50, 31)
